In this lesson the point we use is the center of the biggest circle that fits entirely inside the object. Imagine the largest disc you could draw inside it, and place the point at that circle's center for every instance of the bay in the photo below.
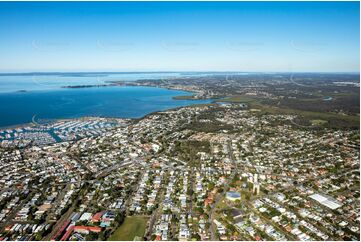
(113, 101)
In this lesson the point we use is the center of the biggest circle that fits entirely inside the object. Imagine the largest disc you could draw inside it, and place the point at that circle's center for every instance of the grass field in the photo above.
(318, 122)
(185, 97)
(132, 227)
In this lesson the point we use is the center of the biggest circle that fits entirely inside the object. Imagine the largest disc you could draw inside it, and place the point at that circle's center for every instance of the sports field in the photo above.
(132, 227)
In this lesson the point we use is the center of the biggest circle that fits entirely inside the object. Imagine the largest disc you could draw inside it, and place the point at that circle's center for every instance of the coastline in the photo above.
(60, 120)
(88, 86)
(179, 97)
(99, 117)
(192, 96)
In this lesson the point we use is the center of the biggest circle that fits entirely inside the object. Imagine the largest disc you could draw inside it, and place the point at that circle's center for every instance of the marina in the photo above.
(59, 131)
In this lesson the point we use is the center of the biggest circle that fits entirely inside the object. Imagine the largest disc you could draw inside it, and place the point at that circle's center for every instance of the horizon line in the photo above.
(131, 72)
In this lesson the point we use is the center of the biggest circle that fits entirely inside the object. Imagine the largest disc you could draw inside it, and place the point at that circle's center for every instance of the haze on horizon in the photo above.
(180, 36)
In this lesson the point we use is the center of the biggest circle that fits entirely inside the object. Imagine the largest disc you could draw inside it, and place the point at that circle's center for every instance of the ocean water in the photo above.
(50, 81)
(115, 101)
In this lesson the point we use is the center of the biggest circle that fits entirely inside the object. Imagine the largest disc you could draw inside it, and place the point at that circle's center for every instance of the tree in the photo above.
(102, 236)
(91, 236)
(231, 228)
(196, 236)
(200, 210)
(38, 237)
(235, 179)
(119, 218)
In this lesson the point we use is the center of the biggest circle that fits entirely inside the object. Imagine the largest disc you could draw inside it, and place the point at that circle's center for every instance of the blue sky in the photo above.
(179, 36)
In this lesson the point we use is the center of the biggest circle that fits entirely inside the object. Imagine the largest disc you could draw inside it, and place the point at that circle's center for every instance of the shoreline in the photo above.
(58, 120)
(31, 124)
(97, 117)
(179, 97)
(87, 86)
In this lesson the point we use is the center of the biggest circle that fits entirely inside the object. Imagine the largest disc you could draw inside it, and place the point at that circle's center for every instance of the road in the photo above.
(13, 213)
(68, 213)
(57, 202)
(288, 235)
(59, 223)
(107, 170)
(154, 216)
(220, 196)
